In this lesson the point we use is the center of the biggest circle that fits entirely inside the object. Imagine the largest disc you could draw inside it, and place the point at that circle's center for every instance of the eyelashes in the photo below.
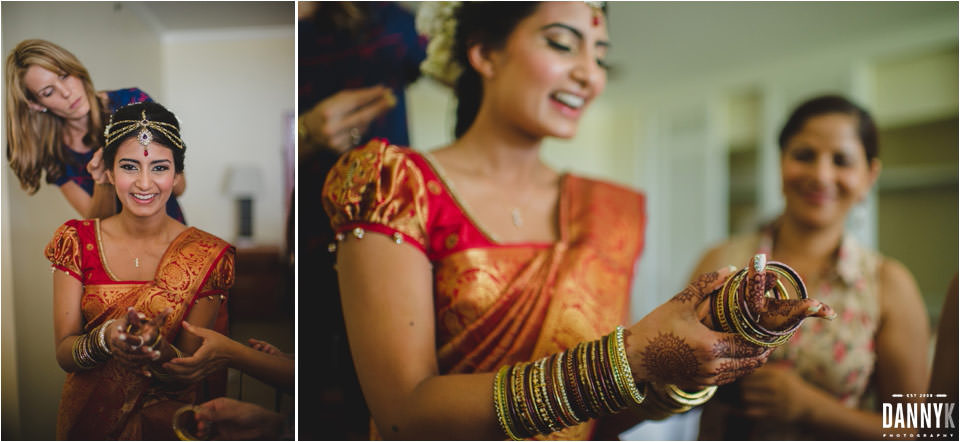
(133, 168)
(567, 49)
(47, 92)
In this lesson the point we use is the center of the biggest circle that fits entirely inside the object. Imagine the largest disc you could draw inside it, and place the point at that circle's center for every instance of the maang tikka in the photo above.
(144, 136)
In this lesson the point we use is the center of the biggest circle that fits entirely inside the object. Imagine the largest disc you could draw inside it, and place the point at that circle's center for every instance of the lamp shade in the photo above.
(243, 180)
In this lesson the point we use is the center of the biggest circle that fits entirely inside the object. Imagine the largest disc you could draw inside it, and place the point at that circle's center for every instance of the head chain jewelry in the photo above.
(118, 129)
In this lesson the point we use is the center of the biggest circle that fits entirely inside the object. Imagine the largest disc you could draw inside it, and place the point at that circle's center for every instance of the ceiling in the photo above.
(196, 16)
(658, 40)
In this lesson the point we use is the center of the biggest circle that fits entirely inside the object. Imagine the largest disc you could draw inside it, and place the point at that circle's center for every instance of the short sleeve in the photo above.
(222, 276)
(64, 251)
(379, 188)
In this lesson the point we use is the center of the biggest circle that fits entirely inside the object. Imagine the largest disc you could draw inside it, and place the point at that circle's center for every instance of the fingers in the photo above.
(190, 328)
(757, 282)
(714, 283)
(161, 319)
(697, 290)
(783, 314)
(95, 165)
(207, 411)
(349, 100)
(727, 370)
(340, 142)
(362, 116)
(134, 319)
(731, 345)
(264, 346)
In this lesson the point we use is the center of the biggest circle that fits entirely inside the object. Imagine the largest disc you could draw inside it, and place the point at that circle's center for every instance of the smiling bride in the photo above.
(123, 285)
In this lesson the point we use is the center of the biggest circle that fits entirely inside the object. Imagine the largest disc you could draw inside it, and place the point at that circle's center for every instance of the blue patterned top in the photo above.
(75, 169)
(387, 51)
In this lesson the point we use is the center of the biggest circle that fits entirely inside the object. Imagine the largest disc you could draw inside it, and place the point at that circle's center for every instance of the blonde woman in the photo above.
(55, 121)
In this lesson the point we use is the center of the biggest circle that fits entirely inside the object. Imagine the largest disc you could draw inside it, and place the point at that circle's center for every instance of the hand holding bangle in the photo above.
(135, 339)
(763, 303)
(672, 346)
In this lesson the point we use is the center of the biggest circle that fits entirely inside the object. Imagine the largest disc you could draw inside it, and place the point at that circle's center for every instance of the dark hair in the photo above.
(832, 104)
(154, 112)
(488, 24)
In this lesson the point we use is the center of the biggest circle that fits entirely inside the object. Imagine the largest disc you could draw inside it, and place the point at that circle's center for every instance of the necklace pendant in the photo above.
(517, 219)
(136, 262)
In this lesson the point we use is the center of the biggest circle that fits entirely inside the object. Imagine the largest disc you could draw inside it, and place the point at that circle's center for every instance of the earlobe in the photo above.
(873, 172)
(480, 60)
(875, 167)
(35, 107)
(110, 177)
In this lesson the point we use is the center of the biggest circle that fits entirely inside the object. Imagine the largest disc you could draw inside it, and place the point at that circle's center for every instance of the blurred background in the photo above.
(227, 70)
(697, 94)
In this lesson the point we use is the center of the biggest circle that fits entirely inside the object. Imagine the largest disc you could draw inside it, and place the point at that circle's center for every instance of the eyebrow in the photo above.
(575, 31)
(163, 160)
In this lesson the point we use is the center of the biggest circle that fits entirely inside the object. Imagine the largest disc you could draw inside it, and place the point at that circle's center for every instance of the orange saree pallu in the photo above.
(495, 303)
(113, 401)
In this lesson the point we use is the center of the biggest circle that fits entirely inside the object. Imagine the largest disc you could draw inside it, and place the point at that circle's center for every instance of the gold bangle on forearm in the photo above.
(90, 349)
(592, 379)
(500, 402)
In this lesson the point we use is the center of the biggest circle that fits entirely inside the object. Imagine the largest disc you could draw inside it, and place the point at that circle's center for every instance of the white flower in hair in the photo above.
(436, 20)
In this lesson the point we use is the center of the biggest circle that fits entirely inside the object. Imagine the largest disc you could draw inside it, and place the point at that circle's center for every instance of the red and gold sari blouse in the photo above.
(497, 304)
(112, 401)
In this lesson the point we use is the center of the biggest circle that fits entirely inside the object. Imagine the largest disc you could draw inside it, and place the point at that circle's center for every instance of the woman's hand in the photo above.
(671, 345)
(338, 122)
(229, 419)
(130, 338)
(265, 347)
(774, 314)
(778, 314)
(215, 352)
(97, 169)
(776, 392)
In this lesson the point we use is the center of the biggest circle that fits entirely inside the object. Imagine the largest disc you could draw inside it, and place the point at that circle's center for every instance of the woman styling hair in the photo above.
(124, 285)
(55, 121)
(816, 387)
(491, 311)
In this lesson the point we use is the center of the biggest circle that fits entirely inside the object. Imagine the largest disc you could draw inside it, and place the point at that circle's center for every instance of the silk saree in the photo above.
(113, 401)
(498, 303)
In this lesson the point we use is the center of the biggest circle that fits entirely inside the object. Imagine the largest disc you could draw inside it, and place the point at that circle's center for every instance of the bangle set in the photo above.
(565, 389)
(732, 311)
(666, 400)
(90, 349)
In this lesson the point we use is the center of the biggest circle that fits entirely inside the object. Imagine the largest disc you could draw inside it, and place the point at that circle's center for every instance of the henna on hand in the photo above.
(733, 346)
(732, 369)
(698, 289)
(668, 358)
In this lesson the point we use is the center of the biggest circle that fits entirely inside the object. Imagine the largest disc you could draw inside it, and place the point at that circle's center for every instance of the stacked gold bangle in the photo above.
(159, 373)
(666, 400)
(565, 389)
(91, 350)
(731, 309)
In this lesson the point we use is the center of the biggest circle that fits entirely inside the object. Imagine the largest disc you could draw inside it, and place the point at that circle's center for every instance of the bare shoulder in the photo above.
(899, 294)
(896, 282)
(735, 251)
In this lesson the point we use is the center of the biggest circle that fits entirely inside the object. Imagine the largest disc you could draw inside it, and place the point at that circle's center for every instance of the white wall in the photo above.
(230, 89)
